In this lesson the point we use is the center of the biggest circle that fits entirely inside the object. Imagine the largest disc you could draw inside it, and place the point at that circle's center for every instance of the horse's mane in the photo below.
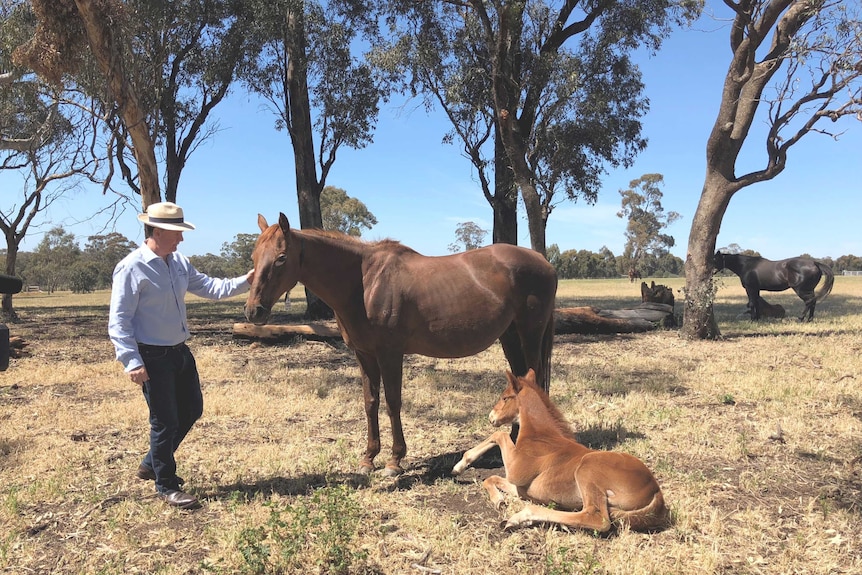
(557, 418)
(385, 243)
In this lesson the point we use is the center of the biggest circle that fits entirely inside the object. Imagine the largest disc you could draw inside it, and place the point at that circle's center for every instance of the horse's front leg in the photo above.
(370, 373)
(471, 455)
(391, 371)
(754, 302)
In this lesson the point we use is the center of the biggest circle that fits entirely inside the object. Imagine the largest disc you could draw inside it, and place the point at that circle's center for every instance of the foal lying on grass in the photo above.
(547, 465)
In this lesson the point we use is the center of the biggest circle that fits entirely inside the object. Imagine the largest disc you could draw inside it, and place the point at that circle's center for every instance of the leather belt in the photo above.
(160, 347)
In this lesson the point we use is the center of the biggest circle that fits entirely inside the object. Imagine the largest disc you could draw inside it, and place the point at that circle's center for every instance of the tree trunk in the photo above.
(698, 314)
(505, 200)
(7, 311)
(506, 68)
(108, 55)
(308, 189)
(742, 92)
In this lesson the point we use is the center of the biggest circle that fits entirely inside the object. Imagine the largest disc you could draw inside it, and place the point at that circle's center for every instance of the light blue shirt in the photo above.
(148, 301)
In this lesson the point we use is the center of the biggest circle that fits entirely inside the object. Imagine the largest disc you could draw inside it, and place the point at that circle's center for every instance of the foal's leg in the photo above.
(496, 486)
(471, 455)
(370, 373)
(594, 514)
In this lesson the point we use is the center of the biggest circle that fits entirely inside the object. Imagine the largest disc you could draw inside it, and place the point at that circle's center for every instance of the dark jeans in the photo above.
(174, 396)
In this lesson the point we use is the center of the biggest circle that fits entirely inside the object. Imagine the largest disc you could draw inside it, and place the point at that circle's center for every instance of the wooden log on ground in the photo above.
(279, 332)
(592, 320)
(581, 320)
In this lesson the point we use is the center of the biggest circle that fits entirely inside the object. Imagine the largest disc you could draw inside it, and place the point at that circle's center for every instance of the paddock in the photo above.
(754, 440)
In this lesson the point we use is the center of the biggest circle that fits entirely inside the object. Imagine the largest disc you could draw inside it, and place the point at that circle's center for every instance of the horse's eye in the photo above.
(281, 259)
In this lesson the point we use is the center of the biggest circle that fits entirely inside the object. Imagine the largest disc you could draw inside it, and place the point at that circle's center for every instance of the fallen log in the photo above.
(582, 320)
(283, 332)
(591, 320)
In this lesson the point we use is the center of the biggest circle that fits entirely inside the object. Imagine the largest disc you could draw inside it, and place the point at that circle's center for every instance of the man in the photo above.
(148, 327)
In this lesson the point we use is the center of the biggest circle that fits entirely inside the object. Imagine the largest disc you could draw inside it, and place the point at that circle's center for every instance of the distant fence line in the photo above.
(851, 273)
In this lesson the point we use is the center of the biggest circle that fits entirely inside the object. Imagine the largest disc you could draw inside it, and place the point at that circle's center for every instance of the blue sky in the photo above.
(420, 189)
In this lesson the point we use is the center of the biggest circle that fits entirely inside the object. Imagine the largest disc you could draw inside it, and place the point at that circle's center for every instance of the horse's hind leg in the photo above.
(496, 486)
(594, 515)
(515, 354)
(810, 301)
(391, 371)
(370, 373)
(527, 343)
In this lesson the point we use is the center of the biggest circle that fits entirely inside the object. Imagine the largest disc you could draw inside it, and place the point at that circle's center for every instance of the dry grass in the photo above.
(755, 439)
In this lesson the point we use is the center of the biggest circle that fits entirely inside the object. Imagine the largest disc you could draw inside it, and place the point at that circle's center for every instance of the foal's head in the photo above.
(506, 409)
(523, 394)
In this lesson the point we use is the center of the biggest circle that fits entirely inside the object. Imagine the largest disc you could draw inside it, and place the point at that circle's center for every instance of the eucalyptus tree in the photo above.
(161, 67)
(647, 218)
(795, 66)
(102, 252)
(26, 117)
(554, 79)
(343, 213)
(460, 87)
(318, 86)
(50, 140)
(469, 236)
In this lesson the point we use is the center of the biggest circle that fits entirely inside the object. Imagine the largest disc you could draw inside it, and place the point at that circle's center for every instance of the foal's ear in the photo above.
(513, 381)
(261, 222)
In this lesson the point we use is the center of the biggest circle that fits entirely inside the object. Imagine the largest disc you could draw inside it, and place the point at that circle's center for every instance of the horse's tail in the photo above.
(653, 517)
(827, 285)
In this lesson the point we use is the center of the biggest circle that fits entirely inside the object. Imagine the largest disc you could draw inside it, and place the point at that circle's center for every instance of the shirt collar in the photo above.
(148, 254)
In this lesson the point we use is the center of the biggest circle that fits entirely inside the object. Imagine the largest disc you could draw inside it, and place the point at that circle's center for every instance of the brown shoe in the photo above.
(180, 499)
(148, 474)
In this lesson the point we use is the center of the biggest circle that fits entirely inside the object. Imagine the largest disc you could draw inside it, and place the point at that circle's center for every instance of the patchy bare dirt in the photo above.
(762, 471)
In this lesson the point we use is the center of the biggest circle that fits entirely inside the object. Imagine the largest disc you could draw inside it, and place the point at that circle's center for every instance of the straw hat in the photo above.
(166, 215)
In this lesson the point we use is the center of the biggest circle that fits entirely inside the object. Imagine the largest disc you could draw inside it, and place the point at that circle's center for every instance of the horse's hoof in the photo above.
(392, 471)
(366, 469)
(459, 468)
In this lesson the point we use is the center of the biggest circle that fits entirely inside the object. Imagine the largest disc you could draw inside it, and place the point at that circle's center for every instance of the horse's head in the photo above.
(275, 272)
(718, 261)
(506, 409)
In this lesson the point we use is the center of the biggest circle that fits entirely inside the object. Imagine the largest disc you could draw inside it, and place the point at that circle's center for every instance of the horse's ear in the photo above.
(513, 381)
(261, 222)
(283, 224)
(530, 377)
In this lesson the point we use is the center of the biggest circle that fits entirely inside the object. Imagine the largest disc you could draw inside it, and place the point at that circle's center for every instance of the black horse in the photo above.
(756, 273)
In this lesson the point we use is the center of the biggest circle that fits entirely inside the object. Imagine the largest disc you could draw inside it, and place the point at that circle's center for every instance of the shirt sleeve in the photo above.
(202, 285)
(124, 302)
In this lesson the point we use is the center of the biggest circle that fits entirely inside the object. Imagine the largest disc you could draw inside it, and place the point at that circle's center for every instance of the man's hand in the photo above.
(250, 276)
(139, 375)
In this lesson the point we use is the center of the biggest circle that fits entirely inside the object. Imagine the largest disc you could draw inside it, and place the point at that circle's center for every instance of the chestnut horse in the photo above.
(390, 301)
(757, 273)
(547, 465)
